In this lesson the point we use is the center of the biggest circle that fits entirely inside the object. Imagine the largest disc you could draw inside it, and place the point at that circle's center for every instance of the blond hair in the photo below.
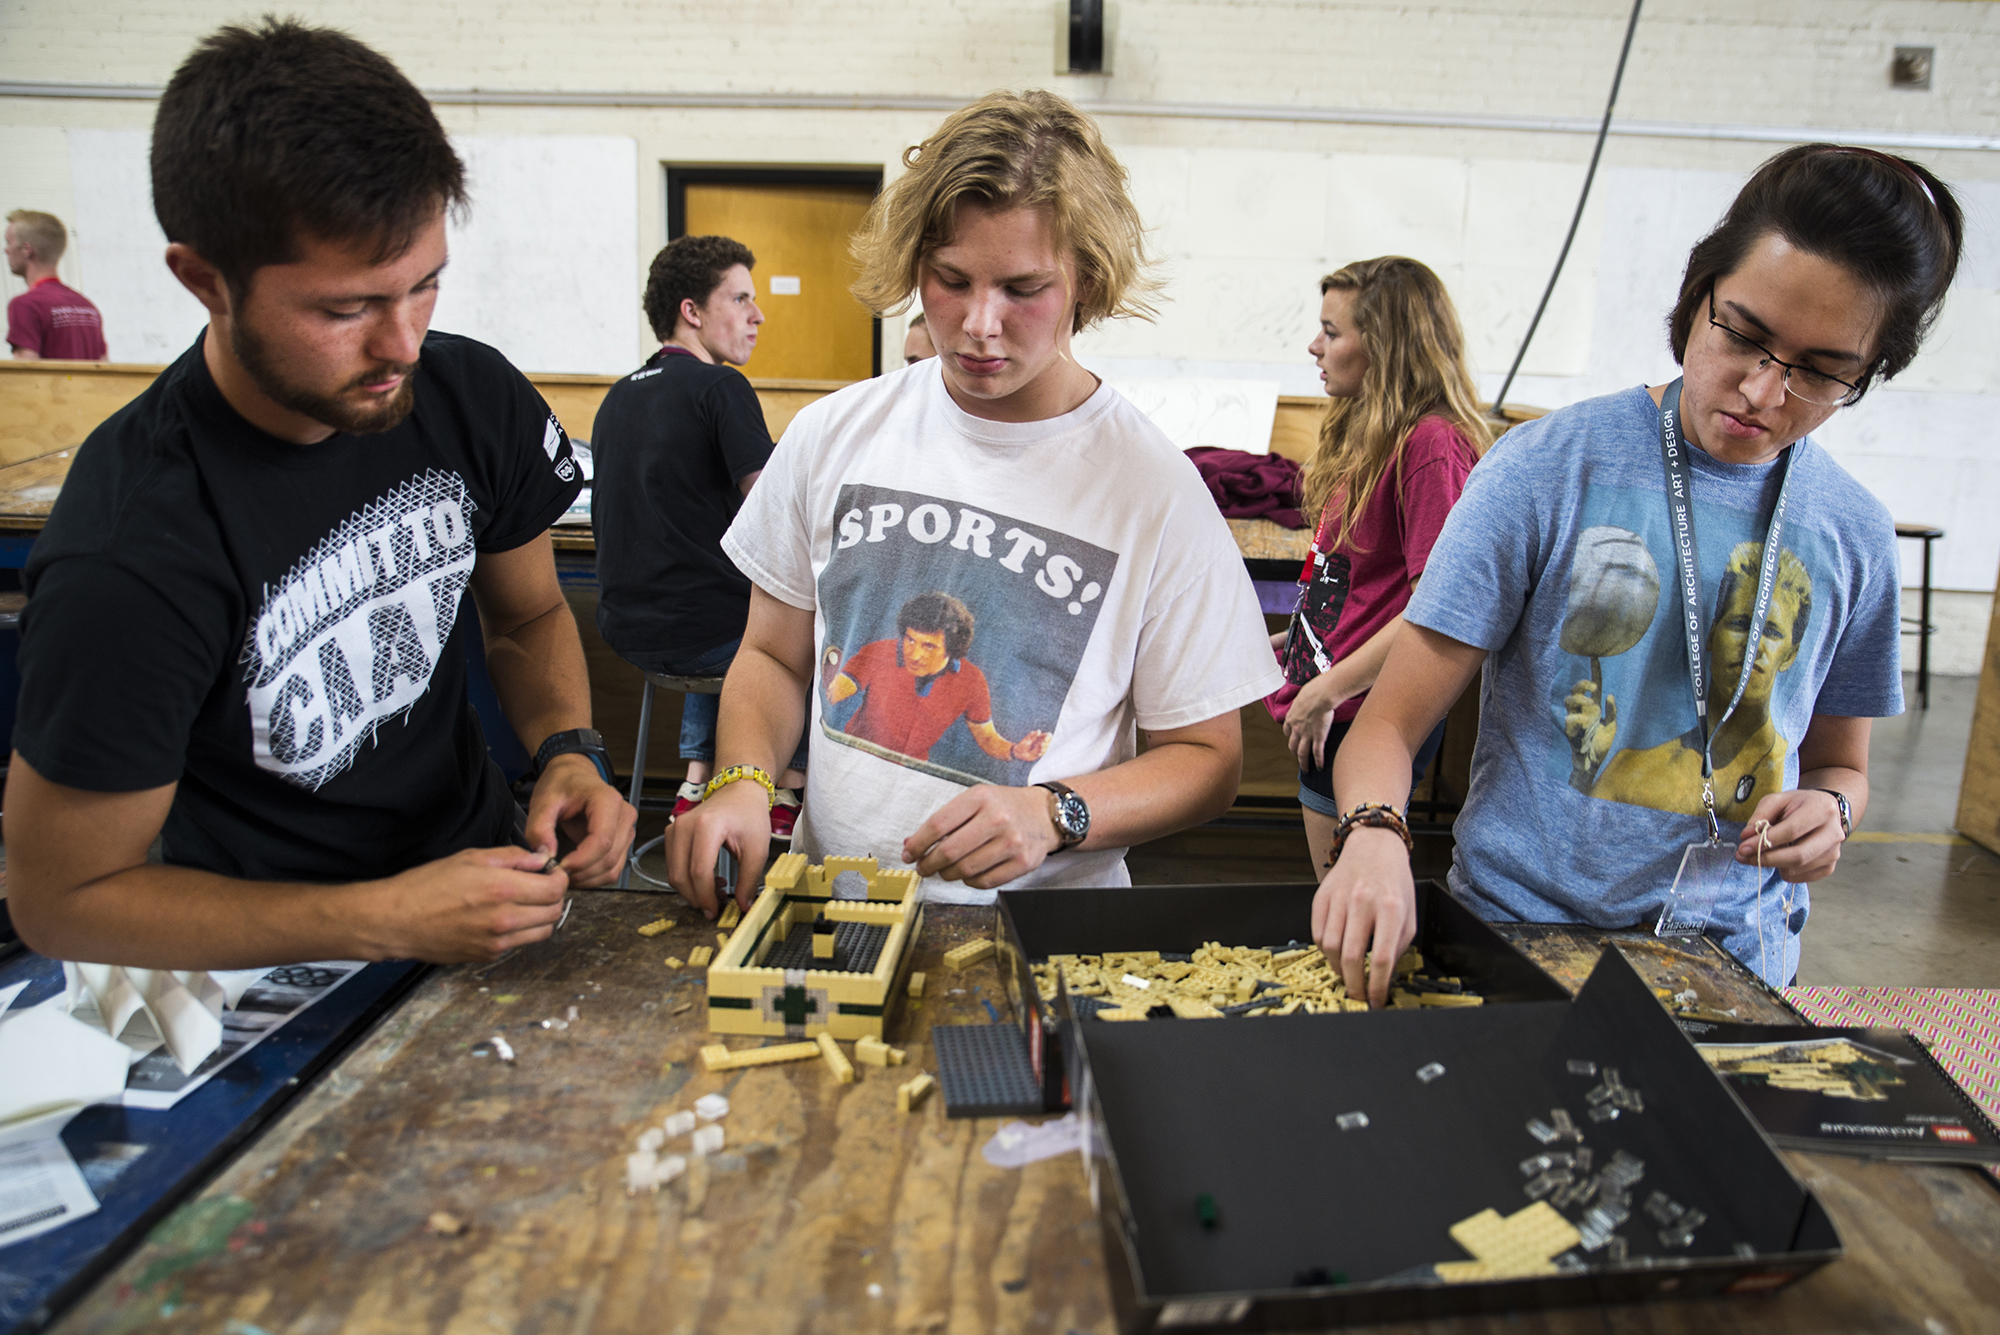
(1416, 369)
(1030, 150)
(43, 232)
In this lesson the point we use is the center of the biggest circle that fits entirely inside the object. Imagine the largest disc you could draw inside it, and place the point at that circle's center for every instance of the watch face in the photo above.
(1073, 815)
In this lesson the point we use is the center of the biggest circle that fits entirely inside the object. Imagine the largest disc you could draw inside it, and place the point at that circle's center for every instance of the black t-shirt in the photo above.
(672, 444)
(280, 627)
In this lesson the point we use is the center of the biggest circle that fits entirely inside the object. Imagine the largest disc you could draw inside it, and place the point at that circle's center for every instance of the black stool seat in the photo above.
(1919, 531)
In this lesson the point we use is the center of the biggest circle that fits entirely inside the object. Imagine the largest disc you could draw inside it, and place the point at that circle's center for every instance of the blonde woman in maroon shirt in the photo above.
(1403, 431)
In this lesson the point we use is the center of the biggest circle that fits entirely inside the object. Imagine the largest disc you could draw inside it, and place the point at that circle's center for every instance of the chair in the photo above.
(686, 686)
(1921, 625)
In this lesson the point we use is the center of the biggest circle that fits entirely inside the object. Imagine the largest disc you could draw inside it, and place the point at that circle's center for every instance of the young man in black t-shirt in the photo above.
(246, 626)
(678, 445)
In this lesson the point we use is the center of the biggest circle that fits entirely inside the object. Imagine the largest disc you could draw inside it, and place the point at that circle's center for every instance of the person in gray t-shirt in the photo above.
(1566, 574)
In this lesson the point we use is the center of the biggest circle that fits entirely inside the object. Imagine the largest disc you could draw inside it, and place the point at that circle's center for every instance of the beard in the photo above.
(332, 410)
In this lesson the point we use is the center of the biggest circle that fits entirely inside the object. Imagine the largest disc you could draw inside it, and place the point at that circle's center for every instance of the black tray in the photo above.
(1319, 1226)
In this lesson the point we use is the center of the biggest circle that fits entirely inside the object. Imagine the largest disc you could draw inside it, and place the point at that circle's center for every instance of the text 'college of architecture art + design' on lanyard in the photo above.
(1705, 867)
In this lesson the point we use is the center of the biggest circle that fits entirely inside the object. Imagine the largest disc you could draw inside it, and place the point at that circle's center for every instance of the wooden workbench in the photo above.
(823, 1191)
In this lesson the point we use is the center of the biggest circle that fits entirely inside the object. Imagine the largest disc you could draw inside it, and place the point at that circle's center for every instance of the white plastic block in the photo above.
(707, 1140)
(651, 1139)
(710, 1107)
(679, 1124)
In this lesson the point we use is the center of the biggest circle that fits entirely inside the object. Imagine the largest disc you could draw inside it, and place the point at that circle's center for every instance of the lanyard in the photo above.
(1694, 610)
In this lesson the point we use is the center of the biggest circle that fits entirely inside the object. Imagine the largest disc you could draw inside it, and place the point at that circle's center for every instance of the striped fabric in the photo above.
(1960, 1025)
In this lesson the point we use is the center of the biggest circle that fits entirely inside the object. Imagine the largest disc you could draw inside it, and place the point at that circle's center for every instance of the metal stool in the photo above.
(1920, 625)
(686, 686)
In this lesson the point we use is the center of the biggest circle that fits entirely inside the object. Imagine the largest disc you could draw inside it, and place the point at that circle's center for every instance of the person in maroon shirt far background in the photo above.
(48, 321)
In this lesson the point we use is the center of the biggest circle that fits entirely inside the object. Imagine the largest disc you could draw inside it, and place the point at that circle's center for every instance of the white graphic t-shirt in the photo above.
(281, 629)
(994, 603)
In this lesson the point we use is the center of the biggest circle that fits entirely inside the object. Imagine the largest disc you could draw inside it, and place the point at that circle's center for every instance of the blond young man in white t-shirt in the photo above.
(1082, 582)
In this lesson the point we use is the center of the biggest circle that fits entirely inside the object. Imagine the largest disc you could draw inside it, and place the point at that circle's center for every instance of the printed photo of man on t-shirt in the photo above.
(916, 686)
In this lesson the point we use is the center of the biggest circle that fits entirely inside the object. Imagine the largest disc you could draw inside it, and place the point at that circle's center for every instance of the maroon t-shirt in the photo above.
(907, 715)
(56, 322)
(1389, 544)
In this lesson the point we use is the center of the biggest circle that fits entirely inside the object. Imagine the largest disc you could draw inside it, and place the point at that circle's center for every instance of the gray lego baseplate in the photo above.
(856, 948)
(983, 1070)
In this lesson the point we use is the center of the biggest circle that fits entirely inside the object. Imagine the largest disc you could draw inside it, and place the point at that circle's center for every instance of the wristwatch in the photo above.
(1070, 813)
(577, 741)
(1846, 811)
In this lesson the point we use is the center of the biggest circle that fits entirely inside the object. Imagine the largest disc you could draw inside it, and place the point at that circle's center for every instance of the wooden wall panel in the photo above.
(1979, 791)
(50, 406)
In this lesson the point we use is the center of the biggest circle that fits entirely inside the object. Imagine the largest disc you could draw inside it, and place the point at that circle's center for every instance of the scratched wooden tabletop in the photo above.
(827, 1211)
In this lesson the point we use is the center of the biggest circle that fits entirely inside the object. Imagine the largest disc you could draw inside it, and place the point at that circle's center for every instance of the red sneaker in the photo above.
(784, 815)
(686, 800)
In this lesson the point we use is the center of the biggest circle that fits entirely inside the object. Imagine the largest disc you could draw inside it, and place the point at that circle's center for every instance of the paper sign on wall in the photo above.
(784, 285)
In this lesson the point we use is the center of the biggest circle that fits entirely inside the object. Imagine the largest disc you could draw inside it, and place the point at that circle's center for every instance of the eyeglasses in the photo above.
(1802, 382)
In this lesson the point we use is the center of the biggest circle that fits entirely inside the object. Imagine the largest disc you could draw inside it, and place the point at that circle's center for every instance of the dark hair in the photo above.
(934, 612)
(1884, 219)
(689, 268)
(266, 134)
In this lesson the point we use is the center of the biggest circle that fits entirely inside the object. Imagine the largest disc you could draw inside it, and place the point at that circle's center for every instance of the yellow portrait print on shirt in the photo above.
(1749, 753)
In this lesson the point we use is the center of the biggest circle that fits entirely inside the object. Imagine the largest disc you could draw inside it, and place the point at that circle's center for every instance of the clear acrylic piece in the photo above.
(1705, 869)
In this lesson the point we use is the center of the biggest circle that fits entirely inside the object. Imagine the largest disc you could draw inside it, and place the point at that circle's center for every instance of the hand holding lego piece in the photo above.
(1366, 905)
(986, 836)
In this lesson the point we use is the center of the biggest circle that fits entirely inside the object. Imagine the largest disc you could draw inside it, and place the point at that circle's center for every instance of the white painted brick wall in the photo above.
(1769, 61)
(1247, 214)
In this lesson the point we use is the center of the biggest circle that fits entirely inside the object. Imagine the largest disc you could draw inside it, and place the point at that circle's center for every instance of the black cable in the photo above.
(1631, 26)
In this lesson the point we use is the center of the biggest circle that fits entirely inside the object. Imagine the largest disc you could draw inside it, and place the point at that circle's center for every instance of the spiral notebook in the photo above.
(1869, 1091)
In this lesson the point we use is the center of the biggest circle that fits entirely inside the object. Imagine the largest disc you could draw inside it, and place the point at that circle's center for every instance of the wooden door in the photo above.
(814, 329)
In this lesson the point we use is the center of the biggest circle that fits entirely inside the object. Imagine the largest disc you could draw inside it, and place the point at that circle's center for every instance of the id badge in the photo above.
(1705, 869)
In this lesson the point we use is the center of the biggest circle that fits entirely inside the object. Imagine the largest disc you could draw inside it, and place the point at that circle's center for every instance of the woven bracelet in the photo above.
(1372, 815)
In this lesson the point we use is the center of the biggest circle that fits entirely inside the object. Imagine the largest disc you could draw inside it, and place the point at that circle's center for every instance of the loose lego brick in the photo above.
(712, 1107)
(1448, 999)
(656, 927)
(678, 1124)
(824, 939)
(1205, 1212)
(673, 961)
(722, 938)
(872, 1050)
(916, 986)
(708, 1139)
(836, 1060)
(699, 957)
(732, 914)
(717, 1057)
(969, 954)
(911, 1096)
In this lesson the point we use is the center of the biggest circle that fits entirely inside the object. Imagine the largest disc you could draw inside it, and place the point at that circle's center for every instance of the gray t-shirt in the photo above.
(1559, 550)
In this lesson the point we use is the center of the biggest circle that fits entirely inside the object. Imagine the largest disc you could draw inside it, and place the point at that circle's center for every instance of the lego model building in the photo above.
(804, 962)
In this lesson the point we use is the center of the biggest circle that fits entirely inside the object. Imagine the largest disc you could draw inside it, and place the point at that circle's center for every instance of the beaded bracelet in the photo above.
(1372, 815)
(735, 772)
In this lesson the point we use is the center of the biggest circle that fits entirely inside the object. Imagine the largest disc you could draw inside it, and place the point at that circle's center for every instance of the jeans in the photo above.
(698, 712)
(1316, 786)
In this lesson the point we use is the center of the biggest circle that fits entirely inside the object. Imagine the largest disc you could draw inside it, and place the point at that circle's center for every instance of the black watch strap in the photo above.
(1846, 811)
(577, 741)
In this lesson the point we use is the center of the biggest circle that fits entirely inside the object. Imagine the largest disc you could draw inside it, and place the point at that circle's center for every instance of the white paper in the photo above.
(157, 1082)
(784, 285)
(40, 1189)
(1019, 1143)
(7, 995)
(55, 1064)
